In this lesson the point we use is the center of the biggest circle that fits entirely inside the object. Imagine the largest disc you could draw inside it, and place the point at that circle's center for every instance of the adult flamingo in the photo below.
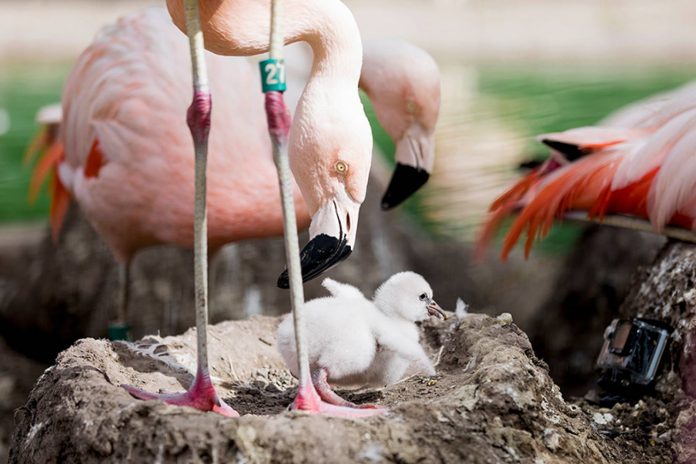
(406, 98)
(323, 142)
(127, 158)
(639, 165)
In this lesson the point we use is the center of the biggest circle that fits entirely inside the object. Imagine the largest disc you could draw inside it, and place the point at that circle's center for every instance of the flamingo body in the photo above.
(140, 192)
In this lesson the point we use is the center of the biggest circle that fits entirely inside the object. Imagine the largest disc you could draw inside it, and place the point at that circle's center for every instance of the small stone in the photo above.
(602, 419)
(551, 439)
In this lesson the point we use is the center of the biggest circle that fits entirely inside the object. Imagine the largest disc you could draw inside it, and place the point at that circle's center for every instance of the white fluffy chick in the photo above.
(355, 341)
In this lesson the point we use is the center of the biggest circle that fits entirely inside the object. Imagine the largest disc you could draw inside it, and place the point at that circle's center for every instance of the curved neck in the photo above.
(336, 43)
(241, 28)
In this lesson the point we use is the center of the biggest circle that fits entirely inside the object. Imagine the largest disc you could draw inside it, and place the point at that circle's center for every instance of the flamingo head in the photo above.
(403, 84)
(331, 165)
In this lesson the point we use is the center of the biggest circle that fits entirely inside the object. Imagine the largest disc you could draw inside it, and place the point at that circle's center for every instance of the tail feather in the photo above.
(517, 191)
(47, 163)
(39, 143)
(579, 185)
(491, 226)
(47, 146)
(507, 203)
(633, 199)
(60, 200)
(576, 143)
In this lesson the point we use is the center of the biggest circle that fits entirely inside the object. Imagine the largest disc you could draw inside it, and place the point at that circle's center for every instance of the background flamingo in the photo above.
(640, 165)
(126, 166)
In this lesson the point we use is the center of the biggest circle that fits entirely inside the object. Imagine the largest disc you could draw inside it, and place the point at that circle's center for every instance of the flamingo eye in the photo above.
(423, 296)
(341, 167)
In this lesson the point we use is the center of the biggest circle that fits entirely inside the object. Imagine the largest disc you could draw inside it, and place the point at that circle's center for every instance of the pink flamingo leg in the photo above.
(326, 393)
(201, 395)
(279, 121)
(316, 397)
(309, 401)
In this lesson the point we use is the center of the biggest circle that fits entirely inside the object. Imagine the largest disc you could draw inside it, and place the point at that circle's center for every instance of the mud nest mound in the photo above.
(493, 401)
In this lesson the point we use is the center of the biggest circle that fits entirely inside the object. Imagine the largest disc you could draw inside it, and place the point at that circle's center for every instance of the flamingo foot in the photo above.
(201, 395)
(323, 400)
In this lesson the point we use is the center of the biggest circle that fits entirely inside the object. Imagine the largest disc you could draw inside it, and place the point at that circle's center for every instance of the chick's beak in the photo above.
(434, 309)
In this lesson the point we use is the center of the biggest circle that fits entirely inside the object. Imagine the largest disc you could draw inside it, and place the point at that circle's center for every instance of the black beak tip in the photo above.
(320, 254)
(405, 181)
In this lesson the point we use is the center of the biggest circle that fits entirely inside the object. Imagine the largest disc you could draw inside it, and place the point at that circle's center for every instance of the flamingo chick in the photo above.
(356, 341)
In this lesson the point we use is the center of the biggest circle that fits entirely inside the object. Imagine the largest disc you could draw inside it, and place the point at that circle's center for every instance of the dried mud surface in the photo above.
(493, 401)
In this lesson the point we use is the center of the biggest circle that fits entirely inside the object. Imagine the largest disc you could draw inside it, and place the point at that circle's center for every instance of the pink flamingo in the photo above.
(638, 165)
(127, 150)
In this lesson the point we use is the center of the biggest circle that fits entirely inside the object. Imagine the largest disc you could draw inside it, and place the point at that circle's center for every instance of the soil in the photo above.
(493, 401)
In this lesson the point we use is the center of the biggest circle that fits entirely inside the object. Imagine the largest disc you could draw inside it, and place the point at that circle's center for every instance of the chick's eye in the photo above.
(423, 297)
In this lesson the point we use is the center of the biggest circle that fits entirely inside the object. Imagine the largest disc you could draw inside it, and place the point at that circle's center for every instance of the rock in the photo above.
(493, 401)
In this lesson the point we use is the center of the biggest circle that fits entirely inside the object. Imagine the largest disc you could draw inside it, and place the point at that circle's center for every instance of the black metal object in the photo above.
(631, 358)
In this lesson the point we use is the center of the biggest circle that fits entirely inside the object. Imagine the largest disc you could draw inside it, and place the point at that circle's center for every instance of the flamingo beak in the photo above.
(405, 181)
(332, 238)
(414, 160)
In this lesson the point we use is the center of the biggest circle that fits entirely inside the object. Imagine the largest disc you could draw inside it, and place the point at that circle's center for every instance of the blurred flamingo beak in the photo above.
(415, 155)
(405, 181)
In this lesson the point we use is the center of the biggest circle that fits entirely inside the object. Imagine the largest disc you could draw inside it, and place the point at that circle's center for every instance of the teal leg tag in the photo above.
(119, 331)
(272, 75)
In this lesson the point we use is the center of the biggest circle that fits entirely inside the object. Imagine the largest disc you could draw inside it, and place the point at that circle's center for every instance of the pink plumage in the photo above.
(143, 192)
(639, 163)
